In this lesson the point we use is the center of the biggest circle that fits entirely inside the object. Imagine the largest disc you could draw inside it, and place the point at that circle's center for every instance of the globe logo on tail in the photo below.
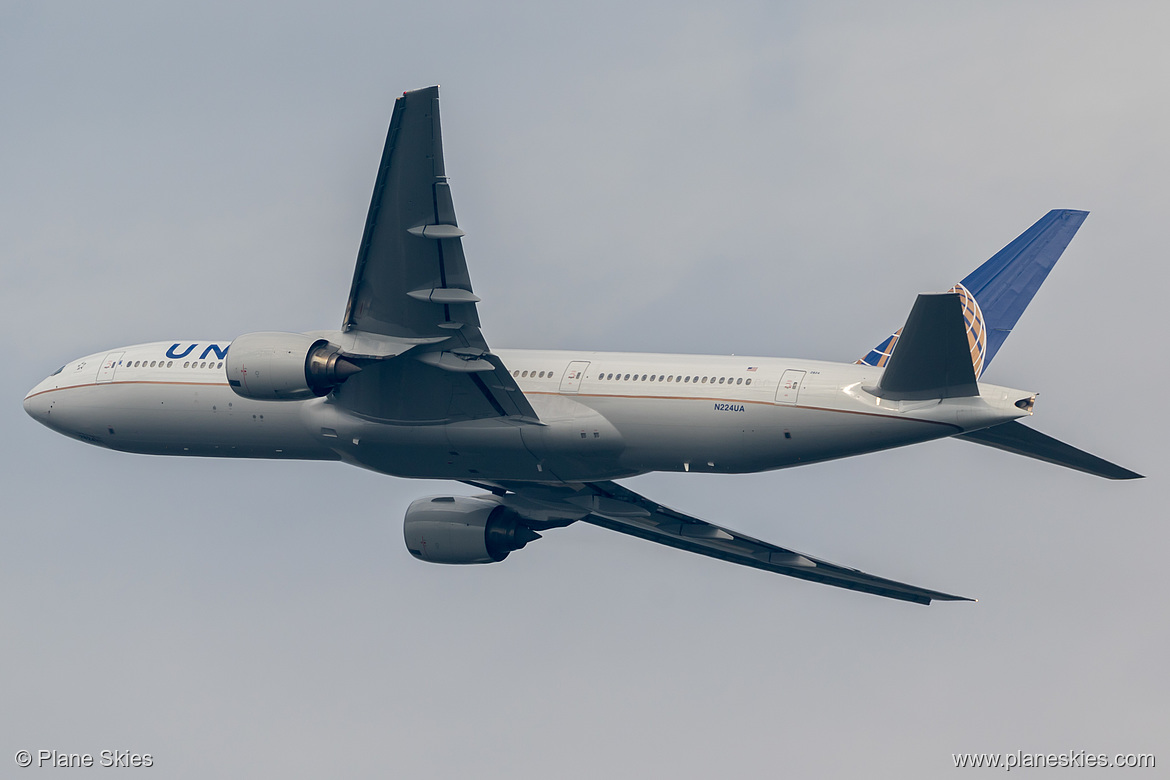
(976, 329)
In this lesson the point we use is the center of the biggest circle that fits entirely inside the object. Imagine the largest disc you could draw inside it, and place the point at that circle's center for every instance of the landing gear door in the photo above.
(789, 387)
(572, 380)
(106, 372)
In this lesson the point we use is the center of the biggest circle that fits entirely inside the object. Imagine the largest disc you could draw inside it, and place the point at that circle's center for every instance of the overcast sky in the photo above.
(760, 178)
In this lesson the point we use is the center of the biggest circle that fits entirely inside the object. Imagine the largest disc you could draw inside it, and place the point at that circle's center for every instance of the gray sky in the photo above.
(671, 178)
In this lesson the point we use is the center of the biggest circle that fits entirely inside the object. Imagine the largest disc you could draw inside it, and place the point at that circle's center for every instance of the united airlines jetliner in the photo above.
(409, 387)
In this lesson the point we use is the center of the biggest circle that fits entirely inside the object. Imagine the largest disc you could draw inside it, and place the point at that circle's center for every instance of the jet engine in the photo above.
(463, 529)
(285, 366)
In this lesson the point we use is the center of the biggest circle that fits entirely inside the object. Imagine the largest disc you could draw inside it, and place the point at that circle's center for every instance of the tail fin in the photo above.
(996, 293)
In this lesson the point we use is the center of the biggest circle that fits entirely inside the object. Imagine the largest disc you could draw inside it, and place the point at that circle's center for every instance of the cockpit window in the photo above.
(58, 371)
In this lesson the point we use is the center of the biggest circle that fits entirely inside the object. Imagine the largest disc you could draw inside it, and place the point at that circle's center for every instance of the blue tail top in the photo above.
(996, 293)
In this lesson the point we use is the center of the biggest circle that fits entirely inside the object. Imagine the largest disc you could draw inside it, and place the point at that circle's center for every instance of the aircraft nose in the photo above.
(37, 406)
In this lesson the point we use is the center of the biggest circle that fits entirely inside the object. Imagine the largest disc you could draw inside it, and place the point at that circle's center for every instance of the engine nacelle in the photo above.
(463, 529)
(285, 366)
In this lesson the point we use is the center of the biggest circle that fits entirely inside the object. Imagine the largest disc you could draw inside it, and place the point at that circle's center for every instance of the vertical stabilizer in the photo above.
(996, 293)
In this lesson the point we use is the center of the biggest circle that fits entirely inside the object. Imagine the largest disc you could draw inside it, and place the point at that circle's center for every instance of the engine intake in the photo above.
(285, 366)
(463, 529)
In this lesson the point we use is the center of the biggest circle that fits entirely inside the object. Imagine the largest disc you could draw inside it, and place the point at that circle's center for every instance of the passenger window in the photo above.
(219, 365)
(720, 380)
(187, 364)
(627, 376)
(515, 373)
(688, 379)
(749, 382)
(739, 381)
(610, 376)
(170, 363)
(542, 375)
(670, 379)
(704, 380)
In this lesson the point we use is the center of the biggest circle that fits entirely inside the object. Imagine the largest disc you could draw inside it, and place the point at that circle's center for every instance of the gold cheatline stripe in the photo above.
(758, 403)
(578, 395)
(129, 382)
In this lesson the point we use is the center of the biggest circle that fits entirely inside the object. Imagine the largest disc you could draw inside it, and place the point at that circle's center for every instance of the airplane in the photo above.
(409, 387)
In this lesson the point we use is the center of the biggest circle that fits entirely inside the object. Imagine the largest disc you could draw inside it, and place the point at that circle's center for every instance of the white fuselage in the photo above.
(601, 415)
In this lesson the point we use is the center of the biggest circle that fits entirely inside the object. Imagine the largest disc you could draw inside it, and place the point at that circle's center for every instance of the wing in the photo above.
(609, 505)
(411, 289)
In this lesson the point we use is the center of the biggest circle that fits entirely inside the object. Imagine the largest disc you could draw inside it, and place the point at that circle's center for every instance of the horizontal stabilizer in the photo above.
(1022, 440)
(932, 358)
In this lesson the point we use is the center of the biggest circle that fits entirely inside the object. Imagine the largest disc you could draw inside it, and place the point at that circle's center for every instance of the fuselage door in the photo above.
(789, 387)
(106, 372)
(572, 381)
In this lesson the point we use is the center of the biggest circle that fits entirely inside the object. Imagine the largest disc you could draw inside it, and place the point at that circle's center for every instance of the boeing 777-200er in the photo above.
(409, 387)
